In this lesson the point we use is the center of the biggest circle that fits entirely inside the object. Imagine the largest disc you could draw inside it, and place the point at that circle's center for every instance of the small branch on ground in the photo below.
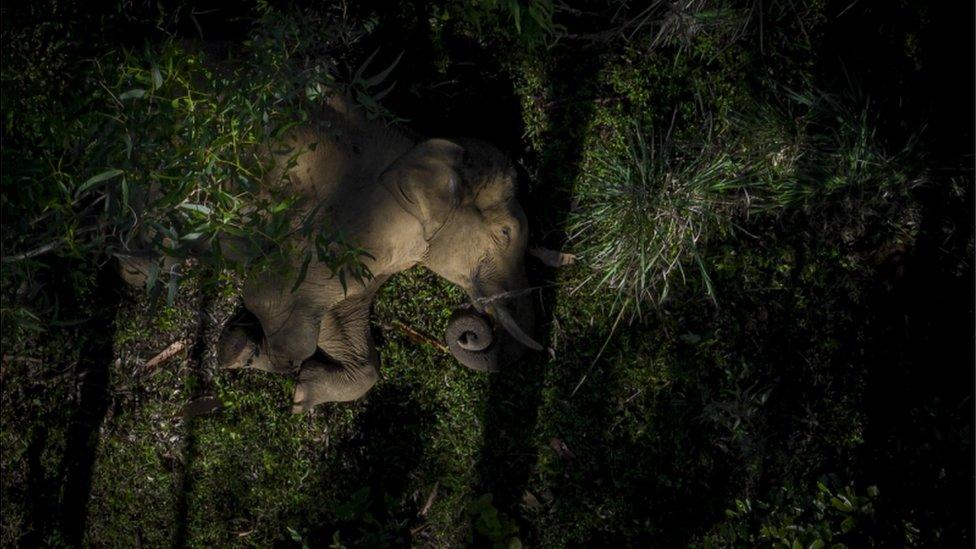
(45, 248)
(417, 336)
(14, 359)
(506, 295)
(166, 354)
(40, 250)
(430, 500)
(589, 370)
(556, 103)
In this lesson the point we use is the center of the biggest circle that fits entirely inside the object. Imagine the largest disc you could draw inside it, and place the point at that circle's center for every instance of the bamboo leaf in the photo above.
(384, 73)
(132, 94)
(384, 93)
(157, 78)
(172, 288)
(303, 271)
(359, 72)
(95, 180)
(153, 275)
(199, 208)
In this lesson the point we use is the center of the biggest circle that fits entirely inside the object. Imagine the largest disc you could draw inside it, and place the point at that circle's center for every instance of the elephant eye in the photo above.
(506, 234)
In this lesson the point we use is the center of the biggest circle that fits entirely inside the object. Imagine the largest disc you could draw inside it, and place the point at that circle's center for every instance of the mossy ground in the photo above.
(829, 355)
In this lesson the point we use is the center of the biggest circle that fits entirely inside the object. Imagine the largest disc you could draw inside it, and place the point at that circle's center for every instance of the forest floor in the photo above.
(825, 393)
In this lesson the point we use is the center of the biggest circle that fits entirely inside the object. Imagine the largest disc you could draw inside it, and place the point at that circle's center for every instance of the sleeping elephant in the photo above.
(448, 205)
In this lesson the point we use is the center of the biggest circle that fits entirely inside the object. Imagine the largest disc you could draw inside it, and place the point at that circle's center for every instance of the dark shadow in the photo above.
(198, 384)
(41, 491)
(918, 440)
(919, 404)
(92, 374)
(510, 449)
(452, 85)
(391, 435)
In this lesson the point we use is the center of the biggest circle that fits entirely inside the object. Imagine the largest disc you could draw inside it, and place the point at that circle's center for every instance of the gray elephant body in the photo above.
(447, 205)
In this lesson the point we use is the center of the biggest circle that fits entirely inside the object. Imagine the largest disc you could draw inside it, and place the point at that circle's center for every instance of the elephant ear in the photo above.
(425, 182)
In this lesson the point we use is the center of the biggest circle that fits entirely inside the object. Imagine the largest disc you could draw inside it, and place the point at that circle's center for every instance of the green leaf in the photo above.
(172, 288)
(200, 208)
(153, 275)
(384, 73)
(841, 505)
(95, 180)
(384, 93)
(303, 271)
(164, 230)
(125, 193)
(133, 94)
(516, 10)
(359, 72)
(848, 524)
(157, 78)
(542, 18)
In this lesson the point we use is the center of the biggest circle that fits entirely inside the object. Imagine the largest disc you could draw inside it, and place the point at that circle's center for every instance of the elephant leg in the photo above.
(347, 364)
(240, 344)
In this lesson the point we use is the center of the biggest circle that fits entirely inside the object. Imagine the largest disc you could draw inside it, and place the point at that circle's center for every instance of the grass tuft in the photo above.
(649, 201)
(644, 212)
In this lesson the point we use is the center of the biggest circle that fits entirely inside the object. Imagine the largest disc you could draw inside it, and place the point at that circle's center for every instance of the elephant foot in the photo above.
(239, 345)
(320, 381)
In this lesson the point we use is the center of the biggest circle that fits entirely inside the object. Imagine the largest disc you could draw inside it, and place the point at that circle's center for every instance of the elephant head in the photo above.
(463, 193)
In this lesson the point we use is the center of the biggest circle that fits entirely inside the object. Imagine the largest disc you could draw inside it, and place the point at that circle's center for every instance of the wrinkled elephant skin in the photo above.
(448, 205)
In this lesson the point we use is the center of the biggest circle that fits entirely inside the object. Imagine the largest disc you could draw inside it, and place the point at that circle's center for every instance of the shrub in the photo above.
(826, 518)
(813, 147)
(644, 211)
(530, 23)
(159, 150)
(647, 207)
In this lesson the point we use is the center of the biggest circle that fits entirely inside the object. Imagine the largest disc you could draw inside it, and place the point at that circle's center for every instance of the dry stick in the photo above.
(418, 337)
(505, 295)
(165, 354)
(21, 359)
(35, 252)
(589, 370)
(557, 103)
(430, 500)
(45, 248)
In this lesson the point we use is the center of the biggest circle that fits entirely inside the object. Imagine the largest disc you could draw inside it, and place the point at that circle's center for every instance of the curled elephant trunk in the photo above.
(480, 344)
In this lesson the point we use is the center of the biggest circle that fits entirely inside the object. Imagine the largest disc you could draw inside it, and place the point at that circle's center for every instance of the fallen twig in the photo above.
(22, 359)
(165, 354)
(417, 336)
(506, 295)
(430, 500)
(596, 100)
(589, 370)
